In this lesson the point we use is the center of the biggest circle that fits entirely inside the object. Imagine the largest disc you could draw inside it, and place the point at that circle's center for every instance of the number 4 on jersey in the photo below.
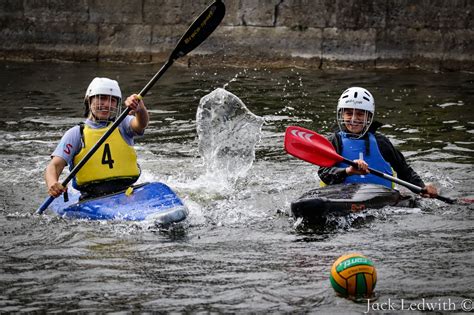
(107, 156)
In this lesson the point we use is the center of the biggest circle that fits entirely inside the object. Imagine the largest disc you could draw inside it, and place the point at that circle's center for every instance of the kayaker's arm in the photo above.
(398, 161)
(404, 171)
(51, 175)
(140, 122)
(333, 175)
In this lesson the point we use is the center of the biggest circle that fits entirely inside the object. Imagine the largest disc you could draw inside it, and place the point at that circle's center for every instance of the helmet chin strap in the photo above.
(110, 119)
(354, 135)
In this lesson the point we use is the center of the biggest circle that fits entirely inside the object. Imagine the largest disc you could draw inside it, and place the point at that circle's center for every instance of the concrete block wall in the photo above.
(434, 34)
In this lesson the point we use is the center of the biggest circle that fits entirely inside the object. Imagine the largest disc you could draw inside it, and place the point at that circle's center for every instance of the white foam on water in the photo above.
(228, 133)
(459, 103)
(227, 136)
(453, 147)
(218, 188)
(53, 121)
(401, 210)
(161, 111)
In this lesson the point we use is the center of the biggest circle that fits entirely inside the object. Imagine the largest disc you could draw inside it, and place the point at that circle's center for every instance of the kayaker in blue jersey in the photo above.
(114, 166)
(358, 140)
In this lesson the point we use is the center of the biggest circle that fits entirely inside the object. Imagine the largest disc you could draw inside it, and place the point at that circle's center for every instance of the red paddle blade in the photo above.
(311, 147)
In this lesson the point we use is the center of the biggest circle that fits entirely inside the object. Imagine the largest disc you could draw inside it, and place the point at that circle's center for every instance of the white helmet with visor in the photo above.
(352, 100)
(103, 99)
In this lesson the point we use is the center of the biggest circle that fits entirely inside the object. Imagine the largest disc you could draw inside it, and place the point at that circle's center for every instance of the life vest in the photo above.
(353, 149)
(114, 160)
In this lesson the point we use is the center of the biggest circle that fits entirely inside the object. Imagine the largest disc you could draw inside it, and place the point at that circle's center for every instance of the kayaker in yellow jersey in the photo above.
(113, 167)
(357, 140)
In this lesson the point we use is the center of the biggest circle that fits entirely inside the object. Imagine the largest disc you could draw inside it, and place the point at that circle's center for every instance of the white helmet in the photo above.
(103, 86)
(356, 98)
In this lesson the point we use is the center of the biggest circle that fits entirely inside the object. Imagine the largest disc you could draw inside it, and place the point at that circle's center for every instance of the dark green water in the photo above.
(239, 252)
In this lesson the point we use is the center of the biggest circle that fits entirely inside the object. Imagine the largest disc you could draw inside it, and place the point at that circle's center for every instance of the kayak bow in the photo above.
(148, 201)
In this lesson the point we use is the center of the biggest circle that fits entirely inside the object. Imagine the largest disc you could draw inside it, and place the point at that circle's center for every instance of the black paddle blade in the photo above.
(201, 28)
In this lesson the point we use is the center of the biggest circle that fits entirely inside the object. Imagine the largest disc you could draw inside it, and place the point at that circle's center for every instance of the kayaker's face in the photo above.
(103, 107)
(354, 120)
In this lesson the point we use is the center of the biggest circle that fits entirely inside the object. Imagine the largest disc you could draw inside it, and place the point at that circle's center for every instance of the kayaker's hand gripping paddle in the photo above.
(197, 33)
(311, 147)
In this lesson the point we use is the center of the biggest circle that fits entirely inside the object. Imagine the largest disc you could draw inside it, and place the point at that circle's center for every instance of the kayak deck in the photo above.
(148, 201)
(344, 199)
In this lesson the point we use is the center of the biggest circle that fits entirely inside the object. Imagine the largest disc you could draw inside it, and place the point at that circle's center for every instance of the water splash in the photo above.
(228, 133)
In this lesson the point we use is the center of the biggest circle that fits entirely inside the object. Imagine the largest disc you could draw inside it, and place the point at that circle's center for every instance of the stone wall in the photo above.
(434, 34)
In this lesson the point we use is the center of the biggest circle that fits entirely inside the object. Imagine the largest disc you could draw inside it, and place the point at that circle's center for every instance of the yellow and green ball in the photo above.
(353, 276)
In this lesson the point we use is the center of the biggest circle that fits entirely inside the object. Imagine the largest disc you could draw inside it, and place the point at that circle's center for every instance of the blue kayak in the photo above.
(148, 201)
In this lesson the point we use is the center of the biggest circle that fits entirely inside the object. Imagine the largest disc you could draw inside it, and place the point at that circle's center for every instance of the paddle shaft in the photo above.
(413, 188)
(199, 30)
